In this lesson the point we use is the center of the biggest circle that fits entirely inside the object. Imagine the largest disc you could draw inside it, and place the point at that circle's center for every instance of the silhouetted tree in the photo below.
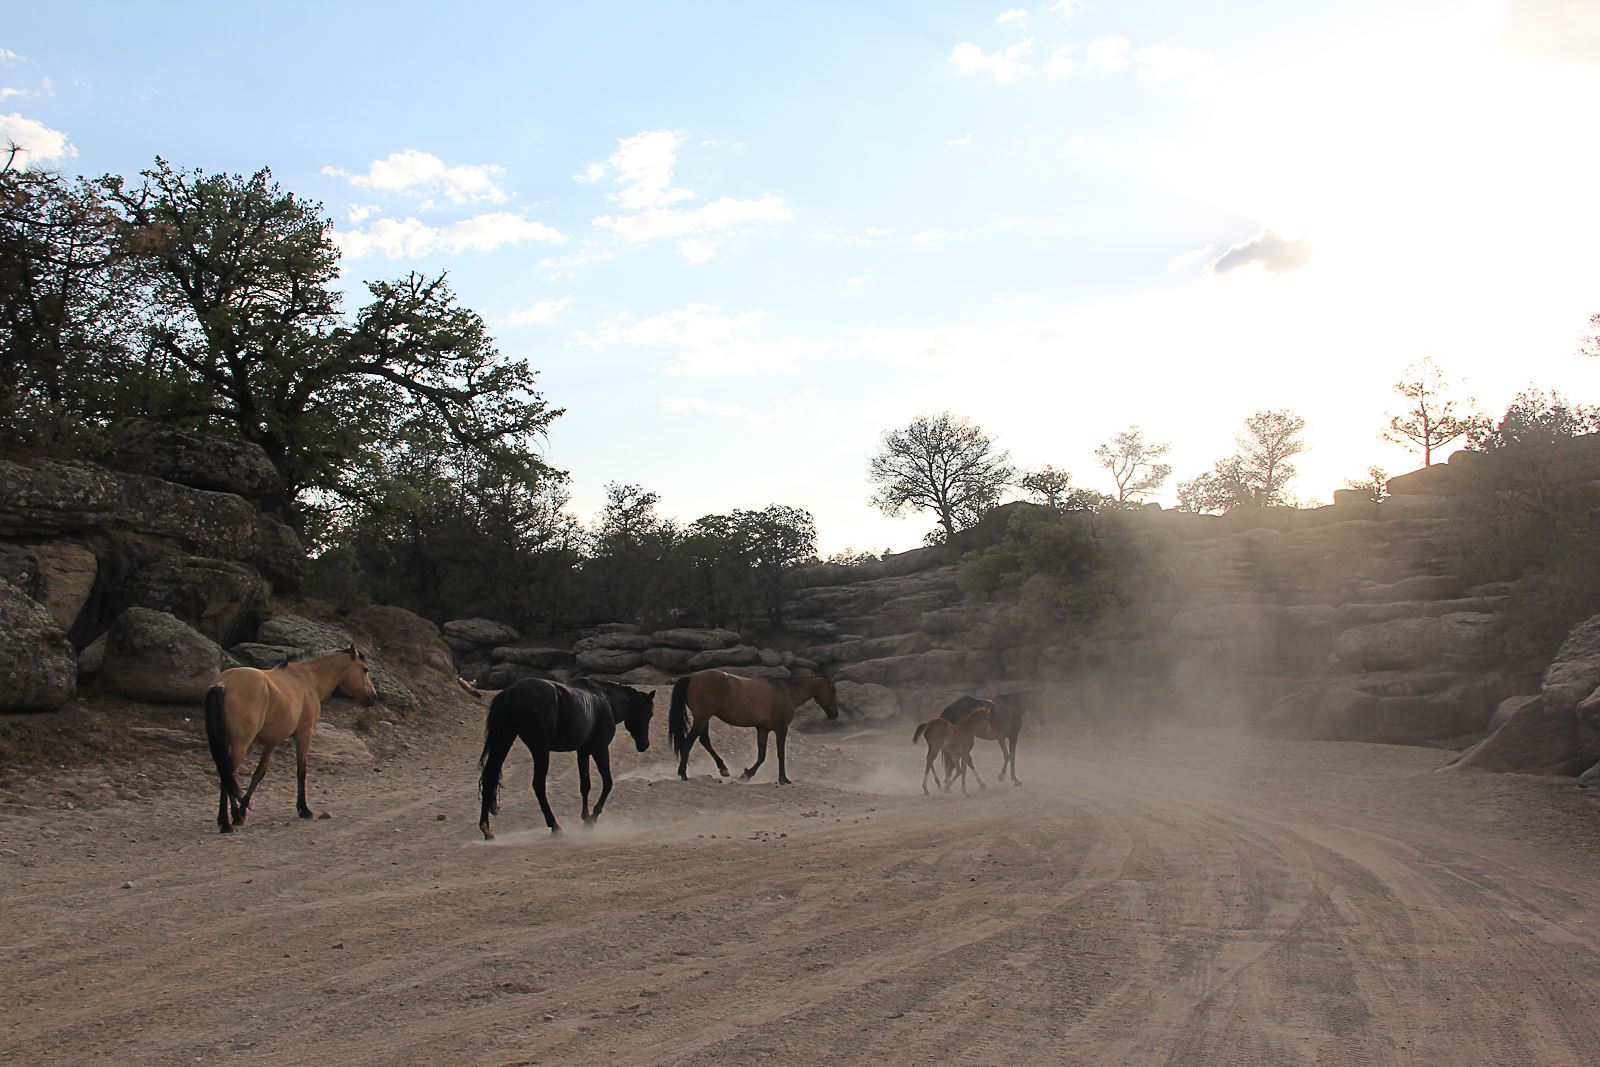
(1134, 464)
(1374, 485)
(943, 464)
(1257, 475)
(1535, 416)
(1049, 485)
(1431, 421)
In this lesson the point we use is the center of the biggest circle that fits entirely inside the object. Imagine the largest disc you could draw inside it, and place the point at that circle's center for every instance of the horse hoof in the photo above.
(555, 830)
(307, 813)
(723, 771)
(746, 776)
(488, 834)
(785, 781)
(223, 827)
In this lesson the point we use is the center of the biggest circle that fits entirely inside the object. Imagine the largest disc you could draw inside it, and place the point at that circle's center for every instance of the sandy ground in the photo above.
(1187, 899)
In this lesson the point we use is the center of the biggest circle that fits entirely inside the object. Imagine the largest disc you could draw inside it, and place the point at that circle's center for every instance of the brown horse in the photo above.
(1005, 726)
(954, 740)
(247, 705)
(768, 704)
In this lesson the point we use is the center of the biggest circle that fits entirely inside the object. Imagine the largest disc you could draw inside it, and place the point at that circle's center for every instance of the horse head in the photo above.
(636, 716)
(356, 681)
(828, 698)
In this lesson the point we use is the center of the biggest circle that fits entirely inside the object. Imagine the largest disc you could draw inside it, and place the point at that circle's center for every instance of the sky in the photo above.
(738, 241)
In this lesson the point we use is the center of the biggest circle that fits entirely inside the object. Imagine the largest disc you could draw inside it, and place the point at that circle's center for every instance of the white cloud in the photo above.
(568, 265)
(410, 237)
(1066, 7)
(699, 405)
(422, 173)
(930, 238)
(652, 208)
(1271, 251)
(591, 173)
(1017, 14)
(1109, 54)
(1165, 62)
(703, 342)
(39, 143)
(865, 239)
(1005, 66)
(537, 313)
(356, 214)
(1190, 258)
(856, 283)
(9, 56)
(960, 142)
(1062, 63)
(7, 92)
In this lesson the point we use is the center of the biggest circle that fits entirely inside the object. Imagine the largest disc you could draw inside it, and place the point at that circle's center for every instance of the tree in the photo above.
(1134, 465)
(1430, 421)
(777, 539)
(1374, 485)
(244, 312)
(1589, 344)
(1258, 474)
(1051, 486)
(1535, 417)
(943, 464)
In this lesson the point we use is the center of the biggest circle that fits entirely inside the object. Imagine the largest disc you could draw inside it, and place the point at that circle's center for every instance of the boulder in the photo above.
(770, 657)
(609, 660)
(645, 677)
(613, 642)
(38, 667)
(1387, 710)
(867, 701)
(501, 675)
(1536, 737)
(91, 658)
(615, 628)
(485, 632)
(302, 634)
(1575, 671)
(48, 498)
(1455, 476)
(57, 574)
(393, 691)
(672, 660)
(758, 670)
(155, 657)
(222, 600)
(1508, 708)
(403, 639)
(188, 457)
(544, 659)
(262, 657)
(1460, 638)
(693, 640)
(737, 656)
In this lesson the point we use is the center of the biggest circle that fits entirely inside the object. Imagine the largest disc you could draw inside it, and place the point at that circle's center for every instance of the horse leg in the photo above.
(255, 780)
(499, 736)
(1014, 779)
(961, 766)
(928, 768)
(541, 767)
(583, 783)
(761, 754)
(302, 749)
(975, 773)
(695, 729)
(783, 735)
(222, 812)
(705, 743)
(602, 761)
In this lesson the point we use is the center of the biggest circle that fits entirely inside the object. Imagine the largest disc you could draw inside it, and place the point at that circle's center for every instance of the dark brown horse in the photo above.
(768, 704)
(1004, 727)
(246, 706)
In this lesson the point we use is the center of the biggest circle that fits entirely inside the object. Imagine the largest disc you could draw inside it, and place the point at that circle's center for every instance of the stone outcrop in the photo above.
(154, 657)
(222, 600)
(463, 634)
(1553, 731)
(302, 634)
(58, 575)
(198, 460)
(38, 668)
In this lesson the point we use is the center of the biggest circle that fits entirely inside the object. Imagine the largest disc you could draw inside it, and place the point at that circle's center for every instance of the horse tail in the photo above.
(678, 716)
(217, 738)
(917, 734)
(499, 731)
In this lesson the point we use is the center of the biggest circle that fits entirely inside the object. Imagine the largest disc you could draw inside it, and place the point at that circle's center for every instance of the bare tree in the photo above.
(943, 464)
(1134, 465)
(1258, 475)
(1431, 420)
(1374, 485)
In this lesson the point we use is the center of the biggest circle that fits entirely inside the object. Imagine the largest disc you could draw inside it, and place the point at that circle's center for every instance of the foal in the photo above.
(955, 740)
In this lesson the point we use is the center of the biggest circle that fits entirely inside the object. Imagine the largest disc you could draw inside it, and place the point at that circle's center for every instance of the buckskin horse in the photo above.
(246, 705)
(954, 740)
(550, 717)
(768, 704)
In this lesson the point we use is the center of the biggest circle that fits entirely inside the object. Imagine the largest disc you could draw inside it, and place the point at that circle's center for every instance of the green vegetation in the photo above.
(1058, 571)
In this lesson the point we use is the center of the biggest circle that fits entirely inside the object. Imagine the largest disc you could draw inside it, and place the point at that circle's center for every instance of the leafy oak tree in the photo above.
(940, 463)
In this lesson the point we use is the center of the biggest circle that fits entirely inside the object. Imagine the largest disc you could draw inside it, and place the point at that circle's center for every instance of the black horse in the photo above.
(550, 717)
(1005, 726)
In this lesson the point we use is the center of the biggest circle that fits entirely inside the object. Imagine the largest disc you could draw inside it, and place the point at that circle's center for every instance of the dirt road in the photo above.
(1188, 900)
